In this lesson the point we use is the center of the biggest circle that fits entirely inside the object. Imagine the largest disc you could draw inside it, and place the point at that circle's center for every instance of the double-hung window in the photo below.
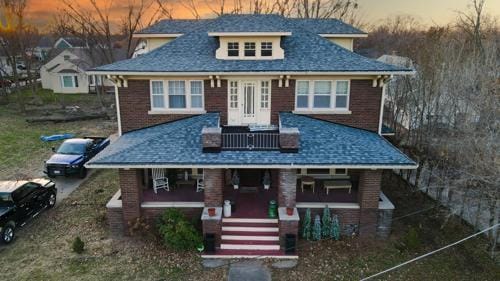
(249, 49)
(157, 95)
(177, 95)
(196, 94)
(322, 95)
(266, 49)
(303, 94)
(233, 49)
(69, 81)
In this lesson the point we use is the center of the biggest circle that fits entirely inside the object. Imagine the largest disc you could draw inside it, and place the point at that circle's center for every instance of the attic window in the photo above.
(249, 49)
(233, 49)
(266, 49)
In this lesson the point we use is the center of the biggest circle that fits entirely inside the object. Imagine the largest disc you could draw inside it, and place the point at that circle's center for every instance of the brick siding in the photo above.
(287, 187)
(214, 186)
(115, 221)
(135, 103)
(131, 193)
(369, 194)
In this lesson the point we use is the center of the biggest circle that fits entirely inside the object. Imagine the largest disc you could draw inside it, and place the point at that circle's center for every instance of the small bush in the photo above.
(411, 240)
(177, 232)
(78, 245)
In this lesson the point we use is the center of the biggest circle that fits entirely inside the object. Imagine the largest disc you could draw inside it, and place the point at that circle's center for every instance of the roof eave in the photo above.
(344, 35)
(183, 73)
(252, 166)
(156, 35)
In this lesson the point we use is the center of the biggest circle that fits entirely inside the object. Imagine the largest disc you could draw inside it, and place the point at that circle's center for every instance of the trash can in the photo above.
(227, 208)
(272, 212)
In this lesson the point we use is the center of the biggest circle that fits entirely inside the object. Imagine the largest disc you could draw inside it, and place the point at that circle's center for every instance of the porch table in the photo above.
(337, 184)
(307, 181)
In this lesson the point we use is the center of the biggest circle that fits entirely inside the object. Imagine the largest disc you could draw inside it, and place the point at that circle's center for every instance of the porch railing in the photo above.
(251, 141)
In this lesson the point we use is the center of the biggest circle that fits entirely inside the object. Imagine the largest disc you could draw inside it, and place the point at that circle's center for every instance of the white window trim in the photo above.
(73, 82)
(310, 100)
(187, 89)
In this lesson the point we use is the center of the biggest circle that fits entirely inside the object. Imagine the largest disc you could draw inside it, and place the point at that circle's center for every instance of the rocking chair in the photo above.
(160, 181)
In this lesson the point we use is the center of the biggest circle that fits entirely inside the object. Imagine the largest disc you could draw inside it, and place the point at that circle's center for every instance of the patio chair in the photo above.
(160, 181)
(307, 181)
(200, 183)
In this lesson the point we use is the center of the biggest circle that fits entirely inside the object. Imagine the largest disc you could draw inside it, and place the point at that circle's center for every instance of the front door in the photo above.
(248, 103)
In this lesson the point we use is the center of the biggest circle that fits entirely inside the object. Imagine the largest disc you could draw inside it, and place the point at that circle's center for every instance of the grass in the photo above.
(21, 151)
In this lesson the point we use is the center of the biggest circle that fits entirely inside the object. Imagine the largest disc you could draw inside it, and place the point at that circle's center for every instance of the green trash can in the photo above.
(272, 212)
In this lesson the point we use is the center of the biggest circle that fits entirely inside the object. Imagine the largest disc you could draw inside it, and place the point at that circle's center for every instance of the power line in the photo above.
(430, 253)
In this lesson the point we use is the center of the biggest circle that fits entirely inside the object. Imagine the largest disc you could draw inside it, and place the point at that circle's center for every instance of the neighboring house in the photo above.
(70, 42)
(243, 101)
(6, 67)
(43, 47)
(64, 71)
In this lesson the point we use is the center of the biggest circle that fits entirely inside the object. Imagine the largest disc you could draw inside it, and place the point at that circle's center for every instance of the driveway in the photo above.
(66, 185)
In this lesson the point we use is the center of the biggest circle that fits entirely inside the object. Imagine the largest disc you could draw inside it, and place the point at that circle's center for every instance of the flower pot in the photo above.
(289, 211)
(266, 186)
(211, 212)
(235, 186)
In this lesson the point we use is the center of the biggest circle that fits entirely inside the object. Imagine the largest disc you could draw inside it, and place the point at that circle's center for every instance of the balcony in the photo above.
(216, 139)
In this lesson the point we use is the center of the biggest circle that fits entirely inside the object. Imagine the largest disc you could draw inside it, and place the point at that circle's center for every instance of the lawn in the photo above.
(21, 151)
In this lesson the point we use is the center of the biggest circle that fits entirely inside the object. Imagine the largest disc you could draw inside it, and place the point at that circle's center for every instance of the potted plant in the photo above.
(289, 211)
(266, 180)
(211, 212)
(235, 180)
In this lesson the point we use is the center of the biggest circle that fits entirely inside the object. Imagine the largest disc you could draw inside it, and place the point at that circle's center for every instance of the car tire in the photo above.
(50, 175)
(51, 202)
(8, 234)
(83, 173)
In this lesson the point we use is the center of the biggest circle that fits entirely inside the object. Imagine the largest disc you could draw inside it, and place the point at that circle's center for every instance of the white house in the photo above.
(65, 72)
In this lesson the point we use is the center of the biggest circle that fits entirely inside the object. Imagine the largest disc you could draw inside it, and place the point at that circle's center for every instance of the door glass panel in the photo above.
(249, 108)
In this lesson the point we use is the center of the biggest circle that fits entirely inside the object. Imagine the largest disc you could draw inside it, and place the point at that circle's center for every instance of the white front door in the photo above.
(248, 103)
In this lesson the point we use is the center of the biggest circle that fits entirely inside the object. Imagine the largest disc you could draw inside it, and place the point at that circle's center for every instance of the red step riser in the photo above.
(250, 233)
(250, 242)
(253, 224)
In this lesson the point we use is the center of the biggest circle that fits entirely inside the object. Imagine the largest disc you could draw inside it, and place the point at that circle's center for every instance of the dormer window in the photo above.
(233, 49)
(266, 49)
(249, 49)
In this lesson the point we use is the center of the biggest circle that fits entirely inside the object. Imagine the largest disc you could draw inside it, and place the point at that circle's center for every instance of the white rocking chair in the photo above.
(160, 181)
(200, 183)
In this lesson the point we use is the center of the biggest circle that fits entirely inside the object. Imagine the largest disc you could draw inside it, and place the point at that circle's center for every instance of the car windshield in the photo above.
(71, 148)
(5, 199)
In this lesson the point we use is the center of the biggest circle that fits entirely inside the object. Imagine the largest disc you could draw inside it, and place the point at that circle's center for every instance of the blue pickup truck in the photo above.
(72, 154)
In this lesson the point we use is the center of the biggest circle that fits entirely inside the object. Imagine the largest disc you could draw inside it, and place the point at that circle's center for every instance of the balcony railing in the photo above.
(251, 141)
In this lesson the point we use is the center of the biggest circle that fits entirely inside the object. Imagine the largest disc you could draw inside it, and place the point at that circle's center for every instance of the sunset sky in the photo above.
(428, 11)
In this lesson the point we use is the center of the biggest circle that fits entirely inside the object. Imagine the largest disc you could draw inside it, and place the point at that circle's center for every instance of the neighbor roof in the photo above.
(322, 143)
(305, 51)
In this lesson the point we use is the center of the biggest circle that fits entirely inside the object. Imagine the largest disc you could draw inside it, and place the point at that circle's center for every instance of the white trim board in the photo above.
(249, 34)
(333, 205)
(343, 35)
(156, 35)
(179, 204)
(246, 73)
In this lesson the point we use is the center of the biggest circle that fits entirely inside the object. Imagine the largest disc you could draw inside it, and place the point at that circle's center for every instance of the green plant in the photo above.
(177, 232)
(325, 221)
(78, 245)
(335, 228)
(316, 231)
(411, 241)
(306, 225)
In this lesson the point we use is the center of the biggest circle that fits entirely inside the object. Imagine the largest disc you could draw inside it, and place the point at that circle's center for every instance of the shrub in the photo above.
(78, 245)
(177, 232)
(411, 241)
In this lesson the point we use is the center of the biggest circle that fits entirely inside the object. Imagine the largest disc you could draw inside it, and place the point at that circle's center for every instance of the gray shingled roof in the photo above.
(305, 51)
(321, 143)
(174, 26)
(327, 26)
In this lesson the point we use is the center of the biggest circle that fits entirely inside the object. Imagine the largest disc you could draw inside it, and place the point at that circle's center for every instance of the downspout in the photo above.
(118, 116)
(382, 101)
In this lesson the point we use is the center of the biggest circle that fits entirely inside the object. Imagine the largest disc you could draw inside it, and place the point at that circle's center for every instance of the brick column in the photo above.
(368, 196)
(131, 193)
(287, 187)
(214, 186)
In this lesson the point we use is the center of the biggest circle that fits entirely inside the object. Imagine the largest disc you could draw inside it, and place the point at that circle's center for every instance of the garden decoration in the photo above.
(235, 180)
(335, 228)
(272, 212)
(326, 222)
(306, 225)
(266, 181)
(316, 231)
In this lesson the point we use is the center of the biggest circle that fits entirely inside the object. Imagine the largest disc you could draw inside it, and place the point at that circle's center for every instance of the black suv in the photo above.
(21, 201)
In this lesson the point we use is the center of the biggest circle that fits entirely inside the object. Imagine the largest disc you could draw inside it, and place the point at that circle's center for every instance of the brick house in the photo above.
(255, 98)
